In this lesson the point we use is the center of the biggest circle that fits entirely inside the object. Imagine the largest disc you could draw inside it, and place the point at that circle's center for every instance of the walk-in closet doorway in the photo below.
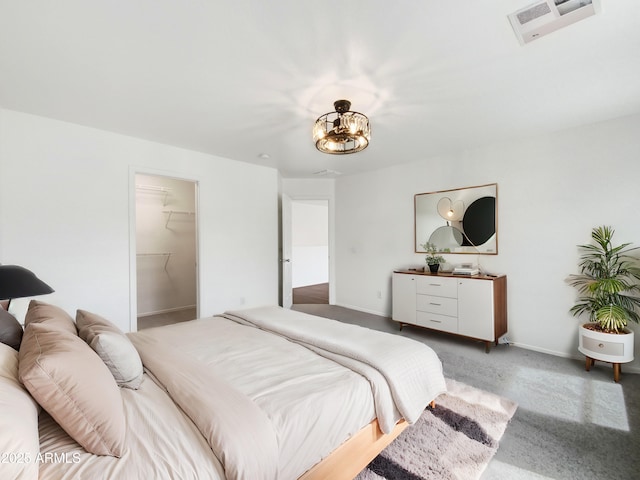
(166, 250)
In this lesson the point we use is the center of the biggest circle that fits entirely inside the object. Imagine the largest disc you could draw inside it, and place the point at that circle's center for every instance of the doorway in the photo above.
(310, 251)
(166, 250)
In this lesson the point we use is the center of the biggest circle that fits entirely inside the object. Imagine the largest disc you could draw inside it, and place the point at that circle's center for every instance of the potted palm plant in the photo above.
(433, 259)
(606, 283)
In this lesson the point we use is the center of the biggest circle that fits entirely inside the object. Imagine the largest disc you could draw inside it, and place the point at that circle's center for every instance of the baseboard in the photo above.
(542, 350)
(626, 368)
(168, 310)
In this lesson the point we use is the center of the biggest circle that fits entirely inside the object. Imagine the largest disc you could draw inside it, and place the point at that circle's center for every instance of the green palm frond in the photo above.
(607, 280)
(612, 317)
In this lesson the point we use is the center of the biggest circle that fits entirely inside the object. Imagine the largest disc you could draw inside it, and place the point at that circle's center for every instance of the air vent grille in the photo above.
(533, 13)
(327, 172)
(546, 16)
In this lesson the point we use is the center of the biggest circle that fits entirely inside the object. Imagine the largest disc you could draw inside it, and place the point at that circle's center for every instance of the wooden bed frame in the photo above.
(350, 458)
(346, 461)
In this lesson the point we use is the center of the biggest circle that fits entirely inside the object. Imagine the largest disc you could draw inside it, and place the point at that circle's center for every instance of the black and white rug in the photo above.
(454, 441)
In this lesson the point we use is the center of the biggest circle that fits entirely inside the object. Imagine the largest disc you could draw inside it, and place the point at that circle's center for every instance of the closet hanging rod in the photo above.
(152, 188)
(183, 212)
(155, 189)
(178, 212)
(161, 254)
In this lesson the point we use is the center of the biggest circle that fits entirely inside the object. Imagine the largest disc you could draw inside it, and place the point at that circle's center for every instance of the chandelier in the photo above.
(341, 131)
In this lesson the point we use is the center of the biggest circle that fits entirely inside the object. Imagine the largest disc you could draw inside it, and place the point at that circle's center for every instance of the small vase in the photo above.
(434, 268)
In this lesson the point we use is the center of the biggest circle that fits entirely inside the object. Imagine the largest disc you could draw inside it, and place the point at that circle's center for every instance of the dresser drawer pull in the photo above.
(435, 321)
(437, 304)
(601, 345)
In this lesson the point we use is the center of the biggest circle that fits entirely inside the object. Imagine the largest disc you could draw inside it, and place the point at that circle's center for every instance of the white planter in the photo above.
(606, 347)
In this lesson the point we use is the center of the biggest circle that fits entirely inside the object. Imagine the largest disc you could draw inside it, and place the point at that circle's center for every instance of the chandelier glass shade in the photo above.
(342, 131)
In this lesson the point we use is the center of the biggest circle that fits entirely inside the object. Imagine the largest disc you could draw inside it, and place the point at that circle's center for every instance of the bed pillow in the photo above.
(10, 330)
(70, 382)
(19, 441)
(40, 312)
(112, 346)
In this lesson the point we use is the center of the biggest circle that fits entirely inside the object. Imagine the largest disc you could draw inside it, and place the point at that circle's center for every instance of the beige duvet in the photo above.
(237, 401)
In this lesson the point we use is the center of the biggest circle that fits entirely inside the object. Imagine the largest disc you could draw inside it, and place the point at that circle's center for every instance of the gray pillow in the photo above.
(10, 330)
(113, 347)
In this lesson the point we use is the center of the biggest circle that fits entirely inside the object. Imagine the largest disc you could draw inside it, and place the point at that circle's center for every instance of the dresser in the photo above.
(473, 307)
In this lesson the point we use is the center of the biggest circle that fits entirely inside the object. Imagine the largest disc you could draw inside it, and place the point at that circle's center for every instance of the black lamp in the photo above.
(17, 282)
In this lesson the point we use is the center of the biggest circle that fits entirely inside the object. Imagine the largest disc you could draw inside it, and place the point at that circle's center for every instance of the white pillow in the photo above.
(19, 441)
(113, 347)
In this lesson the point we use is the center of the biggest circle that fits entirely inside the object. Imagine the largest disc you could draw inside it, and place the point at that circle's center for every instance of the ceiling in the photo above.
(247, 78)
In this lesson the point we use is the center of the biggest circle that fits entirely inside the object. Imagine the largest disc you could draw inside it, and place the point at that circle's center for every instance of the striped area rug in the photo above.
(454, 441)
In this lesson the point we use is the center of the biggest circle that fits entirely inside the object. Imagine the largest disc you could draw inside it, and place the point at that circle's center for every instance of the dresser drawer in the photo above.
(441, 305)
(444, 323)
(439, 286)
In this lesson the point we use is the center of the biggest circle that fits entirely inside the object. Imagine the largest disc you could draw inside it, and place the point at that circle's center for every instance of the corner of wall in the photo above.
(2, 157)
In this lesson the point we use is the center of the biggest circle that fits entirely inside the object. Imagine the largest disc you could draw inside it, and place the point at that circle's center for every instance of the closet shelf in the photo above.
(154, 189)
(162, 254)
(175, 212)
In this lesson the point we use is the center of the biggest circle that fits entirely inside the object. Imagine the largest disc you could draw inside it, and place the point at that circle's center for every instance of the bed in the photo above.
(263, 393)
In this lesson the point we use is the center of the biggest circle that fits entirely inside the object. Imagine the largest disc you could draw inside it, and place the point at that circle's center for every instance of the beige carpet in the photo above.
(454, 441)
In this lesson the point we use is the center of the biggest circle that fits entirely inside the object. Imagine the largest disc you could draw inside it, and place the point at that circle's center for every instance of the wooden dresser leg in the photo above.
(487, 347)
(617, 369)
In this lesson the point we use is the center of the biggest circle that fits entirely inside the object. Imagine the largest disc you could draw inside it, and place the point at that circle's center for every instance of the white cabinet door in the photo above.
(404, 298)
(475, 308)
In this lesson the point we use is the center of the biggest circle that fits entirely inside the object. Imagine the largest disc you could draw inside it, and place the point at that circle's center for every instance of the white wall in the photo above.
(310, 242)
(2, 160)
(166, 244)
(66, 190)
(552, 191)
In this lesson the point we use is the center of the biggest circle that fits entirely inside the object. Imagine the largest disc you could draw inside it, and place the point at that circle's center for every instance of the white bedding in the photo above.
(162, 443)
(312, 403)
(405, 375)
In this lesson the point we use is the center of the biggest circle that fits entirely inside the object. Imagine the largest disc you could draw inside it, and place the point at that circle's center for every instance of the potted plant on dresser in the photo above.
(433, 259)
(607, 281)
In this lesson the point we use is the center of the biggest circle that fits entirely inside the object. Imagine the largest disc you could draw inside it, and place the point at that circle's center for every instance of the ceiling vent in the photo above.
(327, 173)
(546, 16)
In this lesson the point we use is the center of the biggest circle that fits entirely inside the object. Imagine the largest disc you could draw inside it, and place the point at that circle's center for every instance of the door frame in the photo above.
(286, 266)
(331, 230)
(133, 277)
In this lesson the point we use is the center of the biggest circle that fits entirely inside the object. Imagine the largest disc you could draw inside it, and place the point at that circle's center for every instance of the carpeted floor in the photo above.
(453, 441)
(168, 318)
(570, 424)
